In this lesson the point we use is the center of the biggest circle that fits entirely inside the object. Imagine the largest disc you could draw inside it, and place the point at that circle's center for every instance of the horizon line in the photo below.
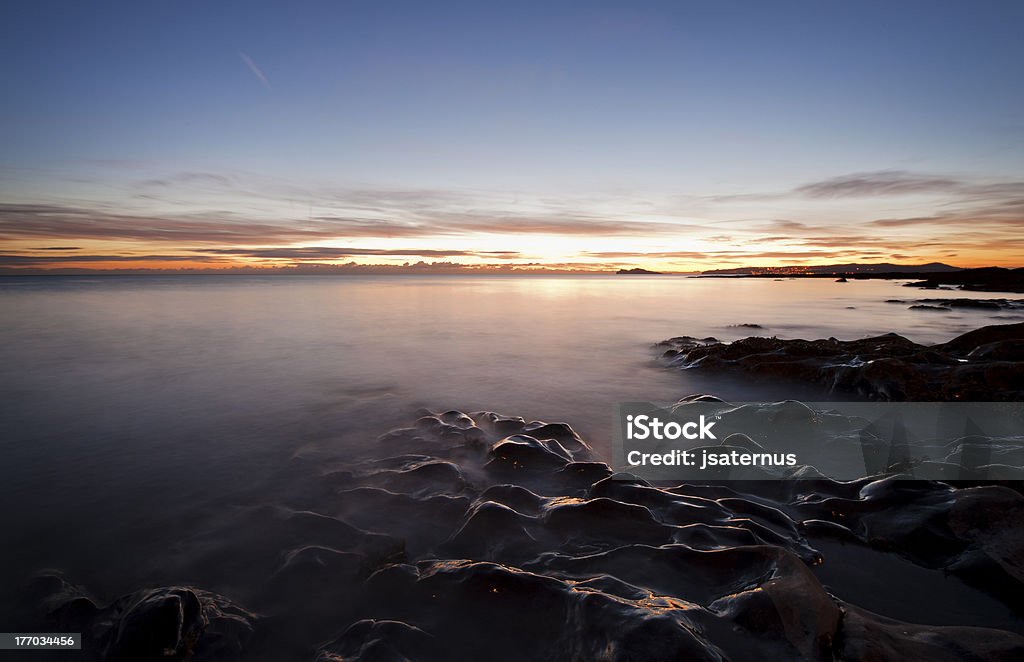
(458, 269)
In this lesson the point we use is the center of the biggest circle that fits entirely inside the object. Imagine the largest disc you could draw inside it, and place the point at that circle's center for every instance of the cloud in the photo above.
(226, 228)
(719, 255)
(256, 71)
(992, 217)
(207, 178)
(19, 221)
(879, 183)
(890, 183)
(333, 253)
(19, 260)
(287, 222)
(419, 267)
(782, 224)
(564, 225)
(612, 255)
(295, 254)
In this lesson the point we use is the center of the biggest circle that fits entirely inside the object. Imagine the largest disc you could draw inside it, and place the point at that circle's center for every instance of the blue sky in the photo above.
(705, 115)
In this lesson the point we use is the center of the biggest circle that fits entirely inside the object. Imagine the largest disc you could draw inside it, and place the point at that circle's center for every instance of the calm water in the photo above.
(125, 402)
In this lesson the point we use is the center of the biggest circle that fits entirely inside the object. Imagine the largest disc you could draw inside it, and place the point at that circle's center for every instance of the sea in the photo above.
(128, 404)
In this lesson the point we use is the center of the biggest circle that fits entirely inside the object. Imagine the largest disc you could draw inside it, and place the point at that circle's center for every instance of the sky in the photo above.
(593, 135)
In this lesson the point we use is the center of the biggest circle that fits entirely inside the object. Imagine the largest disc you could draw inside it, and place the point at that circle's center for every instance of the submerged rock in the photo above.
(962, 303)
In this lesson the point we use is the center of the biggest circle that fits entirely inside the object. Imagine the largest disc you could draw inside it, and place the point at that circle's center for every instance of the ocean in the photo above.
(130, 404)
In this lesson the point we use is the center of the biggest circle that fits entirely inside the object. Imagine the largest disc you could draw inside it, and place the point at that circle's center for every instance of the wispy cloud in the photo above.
(226, 228)
(873, 184)
(190, 178)
(879, 183)
(18, 260)
(243, 219)
(256, 71)
(333, 253)
(718, 255)
(292, 255)
(70, 222)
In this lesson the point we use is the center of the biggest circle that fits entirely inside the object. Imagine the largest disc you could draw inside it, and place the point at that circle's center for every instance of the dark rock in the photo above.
(162, 624)
(382, 640)
(980, 365)
(869, 637)
(636, 272)
(559, 558)
(1001, 350)
(170, 623)
(967, 304)
(974, 303)
(523, 452)
(985, 279)
(962, 345)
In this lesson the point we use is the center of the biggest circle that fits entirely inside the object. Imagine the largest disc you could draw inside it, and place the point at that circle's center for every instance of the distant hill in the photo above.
(636, 272)
(837, 269)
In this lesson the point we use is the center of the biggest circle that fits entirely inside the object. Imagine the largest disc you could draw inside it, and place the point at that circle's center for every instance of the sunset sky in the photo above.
(590, 135)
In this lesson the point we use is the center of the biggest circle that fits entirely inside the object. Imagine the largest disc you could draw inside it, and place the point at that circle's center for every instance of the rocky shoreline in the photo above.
(488, 535)
(985, 279)
(469, 535)
(981, 365)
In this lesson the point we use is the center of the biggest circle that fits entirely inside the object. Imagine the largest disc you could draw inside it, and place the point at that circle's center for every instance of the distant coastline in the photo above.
(928, 276)
(639, 272)
(982, 279)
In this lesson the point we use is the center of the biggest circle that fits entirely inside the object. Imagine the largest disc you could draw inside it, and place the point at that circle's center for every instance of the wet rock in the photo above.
(981, 365)
(513, 614)
(582, 475)
(741, 440)
(524, 453)
(1001, 350)
(424, 476)
(514, 496)
(170, 623)
(974, 303)
(162, 624)
(244, 548)
(485, 535)
(973, 533)
(419, 521)
(984, 279)
(790, 606)
(494, 532)
(964, 304)
(382, 641)
(963, 345)
(867, 636)
(604, 521)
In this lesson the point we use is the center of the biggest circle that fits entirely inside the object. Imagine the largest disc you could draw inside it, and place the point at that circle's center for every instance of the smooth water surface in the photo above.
(128, 402)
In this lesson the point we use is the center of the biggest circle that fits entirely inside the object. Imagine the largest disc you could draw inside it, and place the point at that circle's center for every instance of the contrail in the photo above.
(255, 70)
